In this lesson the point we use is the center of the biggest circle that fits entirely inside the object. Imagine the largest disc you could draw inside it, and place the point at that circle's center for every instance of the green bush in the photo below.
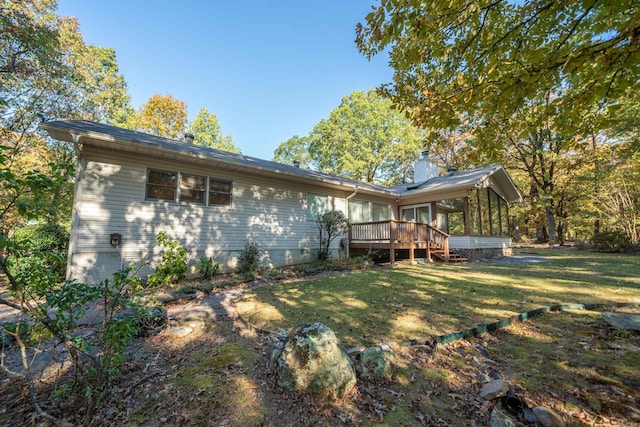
(173, 266)
(249, 260)
(206, 268)
(38, 248)
(330, 224)
(611, 241)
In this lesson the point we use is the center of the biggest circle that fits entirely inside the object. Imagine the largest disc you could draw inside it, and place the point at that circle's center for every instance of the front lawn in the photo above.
(571, 362)
(417, 302)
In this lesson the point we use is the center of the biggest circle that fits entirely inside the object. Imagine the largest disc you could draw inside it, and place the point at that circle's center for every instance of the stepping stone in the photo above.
(626, 321)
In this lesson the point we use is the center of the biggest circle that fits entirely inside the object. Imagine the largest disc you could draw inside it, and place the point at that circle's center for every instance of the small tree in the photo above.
(330, 225)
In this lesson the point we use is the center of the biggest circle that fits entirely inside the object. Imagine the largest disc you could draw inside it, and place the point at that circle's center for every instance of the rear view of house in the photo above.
(132, 185)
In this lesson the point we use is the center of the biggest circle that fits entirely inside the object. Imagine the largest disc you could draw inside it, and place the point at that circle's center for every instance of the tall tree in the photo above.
(480, 58)
(207, 131)
(163, 115)
(364, 138)
(46, 70)
(295, 149)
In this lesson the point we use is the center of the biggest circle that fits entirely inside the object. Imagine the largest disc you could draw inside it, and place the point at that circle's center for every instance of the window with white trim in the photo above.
(187, 188)
(365, 211)
(316, 205)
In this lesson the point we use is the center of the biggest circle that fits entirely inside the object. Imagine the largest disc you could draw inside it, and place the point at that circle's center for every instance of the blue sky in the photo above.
(269, 69)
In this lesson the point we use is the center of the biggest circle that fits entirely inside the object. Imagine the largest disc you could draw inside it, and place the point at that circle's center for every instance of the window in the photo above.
(419, 213)
(365, 211)
(161, 185)
(219, 192)
(379, 212)
(187, 188)
(450, 215)
(316, 205)
(192, 188)
(357, 209)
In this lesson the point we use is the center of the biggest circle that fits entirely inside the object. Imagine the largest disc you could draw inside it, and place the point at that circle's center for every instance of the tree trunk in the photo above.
(551, 224)
(516, 229)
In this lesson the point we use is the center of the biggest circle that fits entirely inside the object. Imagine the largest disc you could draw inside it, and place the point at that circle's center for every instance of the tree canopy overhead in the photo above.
(478, 58)
(364, 138)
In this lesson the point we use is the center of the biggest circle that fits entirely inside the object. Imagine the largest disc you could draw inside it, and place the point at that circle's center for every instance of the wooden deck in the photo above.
(393, 235)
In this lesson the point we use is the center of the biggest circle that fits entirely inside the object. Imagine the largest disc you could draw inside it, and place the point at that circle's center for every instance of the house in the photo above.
(132, 185)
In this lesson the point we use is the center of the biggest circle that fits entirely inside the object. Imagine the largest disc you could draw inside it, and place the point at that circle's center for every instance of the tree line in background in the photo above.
(549, 89)
(47, 71)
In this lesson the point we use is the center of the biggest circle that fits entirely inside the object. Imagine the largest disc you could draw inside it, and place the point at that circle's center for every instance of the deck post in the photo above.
(392, 240)
(412, 240)
(429, 240)
(446, 249)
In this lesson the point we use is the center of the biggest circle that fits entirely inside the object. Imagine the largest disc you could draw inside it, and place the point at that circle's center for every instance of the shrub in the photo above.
(206, 268)
(249, 260)
(173, 266)
(40, 247)
(330, 225)
(611, 241)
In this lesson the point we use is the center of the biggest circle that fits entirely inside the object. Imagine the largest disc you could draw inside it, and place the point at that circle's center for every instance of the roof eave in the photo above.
(64, 133)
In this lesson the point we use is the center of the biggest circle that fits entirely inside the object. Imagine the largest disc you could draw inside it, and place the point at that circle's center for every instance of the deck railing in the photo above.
(396, 233)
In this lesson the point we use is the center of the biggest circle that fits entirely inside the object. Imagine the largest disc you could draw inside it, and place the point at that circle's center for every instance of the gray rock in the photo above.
(548, 417)
(494, 389)
(626, 321)
(378, 362)
(312, 360)
(499, 418)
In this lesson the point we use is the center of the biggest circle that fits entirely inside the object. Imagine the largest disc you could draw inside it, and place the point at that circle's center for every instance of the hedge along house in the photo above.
(131, 185)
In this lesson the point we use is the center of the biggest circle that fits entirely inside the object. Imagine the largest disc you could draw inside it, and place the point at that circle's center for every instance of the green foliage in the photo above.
(207, 131)
(206, 268)
(249, 259)
(363, 138)
(456, 58)
(40, 248)
(611, 241)
(330, 224)
(173, 266)
(294, 149)
(46, 71)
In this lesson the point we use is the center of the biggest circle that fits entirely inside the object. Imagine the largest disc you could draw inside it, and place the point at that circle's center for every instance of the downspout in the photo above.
(355, 191)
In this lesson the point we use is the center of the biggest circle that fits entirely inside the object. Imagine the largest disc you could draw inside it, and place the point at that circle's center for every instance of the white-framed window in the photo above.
(317, 204)
(365, 211)
(416, 213)
(187, 188)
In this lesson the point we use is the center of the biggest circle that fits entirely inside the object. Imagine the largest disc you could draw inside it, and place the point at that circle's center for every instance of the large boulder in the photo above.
(312, 360)
(378, 362)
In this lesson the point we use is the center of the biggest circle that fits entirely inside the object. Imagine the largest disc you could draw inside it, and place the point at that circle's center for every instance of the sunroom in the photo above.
(459, 216)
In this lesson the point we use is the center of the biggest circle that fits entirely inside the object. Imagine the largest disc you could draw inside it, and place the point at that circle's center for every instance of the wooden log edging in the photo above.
(490, 327)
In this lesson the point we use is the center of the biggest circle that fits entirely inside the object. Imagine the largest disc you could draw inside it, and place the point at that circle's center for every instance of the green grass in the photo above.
(417, 302)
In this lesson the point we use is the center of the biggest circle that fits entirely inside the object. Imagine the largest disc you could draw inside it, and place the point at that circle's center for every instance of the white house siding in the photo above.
(111, 199)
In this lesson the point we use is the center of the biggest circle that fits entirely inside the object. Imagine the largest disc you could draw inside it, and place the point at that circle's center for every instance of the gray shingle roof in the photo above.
(65, 130)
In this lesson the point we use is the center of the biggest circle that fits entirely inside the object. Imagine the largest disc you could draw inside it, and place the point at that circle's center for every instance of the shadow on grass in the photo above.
(417, 302)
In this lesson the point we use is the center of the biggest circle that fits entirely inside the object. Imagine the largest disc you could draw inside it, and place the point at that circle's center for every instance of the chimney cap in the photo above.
(451, 170)
(188, 137)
